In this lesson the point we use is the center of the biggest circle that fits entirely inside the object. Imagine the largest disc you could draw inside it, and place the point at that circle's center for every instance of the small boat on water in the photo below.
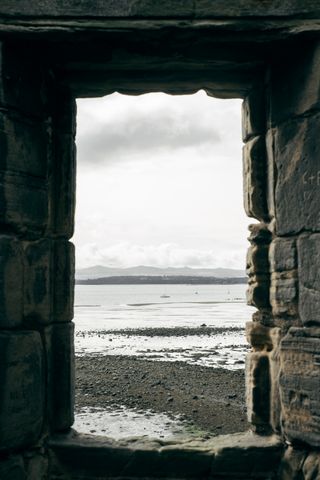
(164, 296)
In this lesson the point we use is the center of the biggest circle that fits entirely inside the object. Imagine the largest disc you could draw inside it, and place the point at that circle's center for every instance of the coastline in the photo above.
(208, 399)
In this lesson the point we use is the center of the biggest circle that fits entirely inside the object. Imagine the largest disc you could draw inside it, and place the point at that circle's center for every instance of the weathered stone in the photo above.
(311, 466)
(21, 72)
(254, 179)
(284, 294)
(36, 465)
(300, 384)
(22, 389)
(38, 290)
(297, 183)
(309, 280)
(23, 146)
(60, 361)
(23, 205)
(258, 291)
(62, 186)
(291, 464)
(259, 336)
(12, 468)
(275, 400)
(11, 283)
(257, 259)
(259, 234)
(283, 255)
(253, 115)
(258, 390)
(147, 8)
(263, 317)
(294, 82)
(63, 267)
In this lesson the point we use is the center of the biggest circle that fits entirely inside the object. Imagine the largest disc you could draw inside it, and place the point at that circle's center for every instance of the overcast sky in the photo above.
(159, 182)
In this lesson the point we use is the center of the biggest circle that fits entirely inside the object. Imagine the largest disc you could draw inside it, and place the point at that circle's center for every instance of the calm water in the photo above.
(100, 309)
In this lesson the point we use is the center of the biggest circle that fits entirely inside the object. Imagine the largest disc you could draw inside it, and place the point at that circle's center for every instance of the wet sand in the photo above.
(207, 399)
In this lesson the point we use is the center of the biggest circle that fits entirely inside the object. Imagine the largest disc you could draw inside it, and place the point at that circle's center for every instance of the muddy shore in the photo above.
(208, 399)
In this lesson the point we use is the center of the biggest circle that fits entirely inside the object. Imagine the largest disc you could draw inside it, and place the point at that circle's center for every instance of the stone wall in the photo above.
(266, 52)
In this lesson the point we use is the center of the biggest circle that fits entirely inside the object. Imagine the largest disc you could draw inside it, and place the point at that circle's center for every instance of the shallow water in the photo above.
(101, 308)
(126, 422)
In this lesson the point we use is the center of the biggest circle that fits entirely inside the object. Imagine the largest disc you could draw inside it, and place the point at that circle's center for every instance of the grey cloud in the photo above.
(117, 138)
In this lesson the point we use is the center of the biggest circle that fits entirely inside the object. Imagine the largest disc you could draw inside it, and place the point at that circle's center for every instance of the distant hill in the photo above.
(99, 271)
(162, 280)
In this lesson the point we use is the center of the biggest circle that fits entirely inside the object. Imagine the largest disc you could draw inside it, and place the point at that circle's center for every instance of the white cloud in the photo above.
(163, 255)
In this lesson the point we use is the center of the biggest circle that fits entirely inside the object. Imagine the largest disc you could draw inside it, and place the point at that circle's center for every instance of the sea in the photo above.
(197, 324)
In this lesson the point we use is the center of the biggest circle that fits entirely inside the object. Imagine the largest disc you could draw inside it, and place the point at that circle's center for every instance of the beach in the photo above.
(169, 367)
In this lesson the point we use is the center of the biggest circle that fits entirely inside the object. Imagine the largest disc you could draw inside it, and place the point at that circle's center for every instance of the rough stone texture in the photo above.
(147, 8)
(259, 336)
(12, 468)
(253, 115)
(11, 282)
(309, 280)
(300, 384)
(291, 464)
(254, 178)
(294, 82)
(64, 267)
(311, 466)
(62, 180)
(253, 457)
(38, 282)
(60, 361)
(36, 464)
(284, 294)
(283, 255)
(258, 390)
(275, 400)
(297, 182)
(22, 393)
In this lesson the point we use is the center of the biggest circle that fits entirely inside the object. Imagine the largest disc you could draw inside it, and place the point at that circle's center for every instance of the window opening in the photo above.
(160, 344)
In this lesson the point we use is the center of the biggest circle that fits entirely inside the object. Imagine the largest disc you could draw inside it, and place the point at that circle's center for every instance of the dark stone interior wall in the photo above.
(37, 129)
(37, 191)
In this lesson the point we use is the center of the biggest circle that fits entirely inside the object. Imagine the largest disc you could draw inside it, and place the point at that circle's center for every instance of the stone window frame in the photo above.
(37, 186)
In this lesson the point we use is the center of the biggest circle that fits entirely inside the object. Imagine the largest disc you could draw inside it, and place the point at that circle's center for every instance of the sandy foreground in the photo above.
(207, 399)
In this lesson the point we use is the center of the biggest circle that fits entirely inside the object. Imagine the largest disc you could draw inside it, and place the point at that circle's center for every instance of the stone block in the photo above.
(284, 293)
(259, 336)
(300, 385)
(297, 182)
(22, 389)
(275, 400)
(283, 255)
(311, 466)
(259, 234)
(12, 468)
(62, 186)
(60, 360)
(309, 280)
(36, 465)
(254, 179)
(63, 278)
(253, 115)
(294, 82)
(21, 72)
(257, 261)
(258, 390)
(291, 464)
(11, 282)
(23, 146)
(38, 281)
(258, 291)
(23, 205)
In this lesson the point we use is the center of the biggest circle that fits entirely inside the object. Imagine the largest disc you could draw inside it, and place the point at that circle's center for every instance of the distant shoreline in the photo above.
(162, 280)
